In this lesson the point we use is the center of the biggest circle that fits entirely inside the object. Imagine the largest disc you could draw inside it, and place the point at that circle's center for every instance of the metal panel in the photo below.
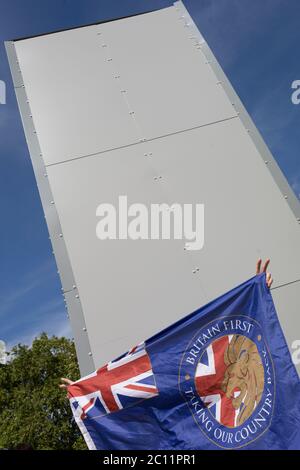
(74, 98)
(159, 62)
(163, 126)
(116, 61)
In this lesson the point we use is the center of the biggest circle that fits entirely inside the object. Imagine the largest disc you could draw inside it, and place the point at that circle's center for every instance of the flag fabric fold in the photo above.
(220, 378)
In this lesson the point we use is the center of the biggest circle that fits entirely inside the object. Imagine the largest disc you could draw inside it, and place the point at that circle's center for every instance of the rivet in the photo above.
(84, 329)
(104, 45)
(150, 153)
(117, 76)
(143, 140)
(60, 235)
(34, 132)
(45, 174)
(266, 162)
(248, 130)
(131, 112)
(109, 60)
(77, 296)
(90, 354)
(51, 202)
(74, 287)
(285, 197)
(155, 178)
(194, 271)
(123, 91)
(145, 154)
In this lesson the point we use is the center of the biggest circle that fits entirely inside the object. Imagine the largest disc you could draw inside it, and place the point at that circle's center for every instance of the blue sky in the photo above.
(256, 43)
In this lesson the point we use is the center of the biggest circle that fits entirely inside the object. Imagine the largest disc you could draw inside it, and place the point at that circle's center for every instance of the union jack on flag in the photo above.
(209, 378)
(115, 386)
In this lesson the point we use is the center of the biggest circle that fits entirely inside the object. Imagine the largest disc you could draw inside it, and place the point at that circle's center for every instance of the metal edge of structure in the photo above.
(60, 252)
(244, 116)
(96, 23)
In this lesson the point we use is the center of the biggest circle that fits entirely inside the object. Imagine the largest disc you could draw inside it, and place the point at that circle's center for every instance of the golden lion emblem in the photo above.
(244, 373)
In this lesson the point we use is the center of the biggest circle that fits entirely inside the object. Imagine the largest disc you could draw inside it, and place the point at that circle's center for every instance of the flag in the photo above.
(220, 378)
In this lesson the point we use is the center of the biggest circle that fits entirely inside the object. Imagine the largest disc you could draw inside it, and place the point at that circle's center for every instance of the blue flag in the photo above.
(220, 378)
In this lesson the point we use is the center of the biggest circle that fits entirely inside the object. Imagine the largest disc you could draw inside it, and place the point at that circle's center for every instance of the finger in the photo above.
(269, 279)
(66, 381)
(266, 265)
(62, 386)
(258, 265)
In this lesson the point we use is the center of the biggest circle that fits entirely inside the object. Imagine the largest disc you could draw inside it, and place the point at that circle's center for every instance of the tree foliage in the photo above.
(34, 411)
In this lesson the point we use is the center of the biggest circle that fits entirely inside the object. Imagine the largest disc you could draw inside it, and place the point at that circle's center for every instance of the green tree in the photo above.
(33, 410)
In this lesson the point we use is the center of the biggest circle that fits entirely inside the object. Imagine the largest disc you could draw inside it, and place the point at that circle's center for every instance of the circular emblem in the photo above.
(227, 378)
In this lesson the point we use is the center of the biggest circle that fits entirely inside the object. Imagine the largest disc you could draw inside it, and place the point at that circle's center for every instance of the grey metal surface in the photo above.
(90, 106)
(115, 106)
(72, 91)
(157, 70)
